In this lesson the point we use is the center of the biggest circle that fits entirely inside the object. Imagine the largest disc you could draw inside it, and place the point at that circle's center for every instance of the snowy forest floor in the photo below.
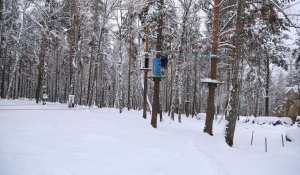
(55, 140)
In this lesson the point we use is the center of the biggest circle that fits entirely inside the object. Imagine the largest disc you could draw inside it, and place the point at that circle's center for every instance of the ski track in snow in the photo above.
(213, 162)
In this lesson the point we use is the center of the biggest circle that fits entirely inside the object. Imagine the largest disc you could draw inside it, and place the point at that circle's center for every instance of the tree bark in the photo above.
(88, 101)
(129, 73)
(195, 87)
(92, 48)
(2, 58)
(267, 87)
(145, 103)
(159, 41)
(213, 71)
(3, 76)
(56, 93)
(187, 102)
(234, 94)
(171, 108)
(72, 45)
(41, 69)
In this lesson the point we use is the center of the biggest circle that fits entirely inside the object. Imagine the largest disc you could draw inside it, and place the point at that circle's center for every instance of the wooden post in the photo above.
(266, 146)
(252, 137)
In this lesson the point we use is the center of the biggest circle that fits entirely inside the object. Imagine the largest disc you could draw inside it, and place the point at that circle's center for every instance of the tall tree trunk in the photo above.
(267, 87)
(3, 74)
(42, 56)
(195, 86)
(90, 76)
(257, 91)
(120, 96)
(72, 44)
(2, 58)
(187, 102)
(174, 104)
(92, 49)
(213, 70)
(17, 44)
(171, 91)
(129, 77)
(30, 82)
(94, 84)
(41, 68)
(183, 45)
(56, 93)
(234, 94)
(19, 84)
(145, 103)
(130, 54)
(81, 84)
(159, 42)
(166, 84)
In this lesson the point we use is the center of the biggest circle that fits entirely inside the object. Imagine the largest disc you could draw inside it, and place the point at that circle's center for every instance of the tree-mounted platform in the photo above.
(211, 82)
(214, 57)
(156, 78)
(145, 69)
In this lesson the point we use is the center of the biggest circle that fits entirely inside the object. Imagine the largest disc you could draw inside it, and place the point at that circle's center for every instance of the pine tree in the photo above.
(232, 113)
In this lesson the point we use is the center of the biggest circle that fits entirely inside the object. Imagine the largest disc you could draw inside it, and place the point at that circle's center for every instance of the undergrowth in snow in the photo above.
(268, 120)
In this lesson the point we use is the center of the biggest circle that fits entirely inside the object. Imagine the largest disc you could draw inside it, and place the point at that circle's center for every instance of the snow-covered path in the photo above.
(59, 141)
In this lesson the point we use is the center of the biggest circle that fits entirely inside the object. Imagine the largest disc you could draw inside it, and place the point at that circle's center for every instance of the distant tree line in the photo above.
(94, 49)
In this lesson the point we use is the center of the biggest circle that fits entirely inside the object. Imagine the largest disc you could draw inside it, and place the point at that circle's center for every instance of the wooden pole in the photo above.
(252, 137)
(266, 146)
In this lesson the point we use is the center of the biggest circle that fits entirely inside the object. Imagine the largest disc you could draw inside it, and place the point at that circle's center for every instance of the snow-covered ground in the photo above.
(53, 140)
